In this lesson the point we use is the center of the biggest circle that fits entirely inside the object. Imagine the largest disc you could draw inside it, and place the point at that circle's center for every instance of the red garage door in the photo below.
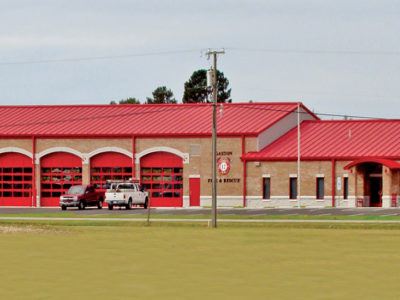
(59, 171)
(15, 180)
(109, 165)
(161, 175)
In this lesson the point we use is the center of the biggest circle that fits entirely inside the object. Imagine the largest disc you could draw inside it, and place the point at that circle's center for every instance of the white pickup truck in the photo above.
(126, 194)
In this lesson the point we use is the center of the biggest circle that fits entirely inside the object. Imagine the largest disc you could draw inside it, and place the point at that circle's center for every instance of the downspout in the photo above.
(333, 182)
(133, 156)
(34, 192)
(244, 170)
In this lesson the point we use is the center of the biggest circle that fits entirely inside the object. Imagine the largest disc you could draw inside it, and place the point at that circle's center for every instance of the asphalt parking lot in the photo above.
(364, 211)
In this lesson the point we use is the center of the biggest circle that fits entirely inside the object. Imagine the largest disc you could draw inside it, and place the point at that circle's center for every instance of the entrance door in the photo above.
(194, 191)
(376, 191)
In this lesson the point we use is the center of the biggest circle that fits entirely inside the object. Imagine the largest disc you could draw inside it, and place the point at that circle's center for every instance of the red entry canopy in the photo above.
(393, 165)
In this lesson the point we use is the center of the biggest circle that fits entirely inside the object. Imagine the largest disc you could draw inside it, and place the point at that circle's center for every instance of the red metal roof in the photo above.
(140, 120)
(352, 139)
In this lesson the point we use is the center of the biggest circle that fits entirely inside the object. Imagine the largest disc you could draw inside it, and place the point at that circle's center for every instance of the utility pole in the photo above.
(214, 136)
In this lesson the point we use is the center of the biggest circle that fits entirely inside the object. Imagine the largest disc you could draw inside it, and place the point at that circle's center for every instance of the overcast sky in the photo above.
(337, 82)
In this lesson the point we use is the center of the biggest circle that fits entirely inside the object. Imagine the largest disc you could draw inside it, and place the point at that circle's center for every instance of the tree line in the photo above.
(196, 91)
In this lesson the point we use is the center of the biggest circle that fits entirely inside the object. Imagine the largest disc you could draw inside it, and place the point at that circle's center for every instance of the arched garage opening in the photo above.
(59, 171)
(162, 176)
(109, 166)
(15, 179)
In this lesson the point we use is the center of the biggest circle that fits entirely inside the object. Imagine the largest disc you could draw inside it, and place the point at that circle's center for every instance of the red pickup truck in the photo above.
(81, 196)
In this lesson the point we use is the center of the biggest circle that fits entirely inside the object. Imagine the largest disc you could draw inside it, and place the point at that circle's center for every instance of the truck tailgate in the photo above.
(114, 196)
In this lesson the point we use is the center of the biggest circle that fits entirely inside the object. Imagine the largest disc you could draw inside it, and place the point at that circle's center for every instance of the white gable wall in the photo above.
(281, 127)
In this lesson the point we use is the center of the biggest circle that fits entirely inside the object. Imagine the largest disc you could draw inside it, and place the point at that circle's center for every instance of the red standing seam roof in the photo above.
(141, 119)
(347, 139)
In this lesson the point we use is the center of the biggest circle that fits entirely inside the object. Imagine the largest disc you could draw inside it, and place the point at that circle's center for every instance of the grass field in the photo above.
(184, 261)
(59, 214)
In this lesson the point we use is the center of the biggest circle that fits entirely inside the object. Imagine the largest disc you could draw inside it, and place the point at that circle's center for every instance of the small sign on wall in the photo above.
(339, 183)
(224, 165)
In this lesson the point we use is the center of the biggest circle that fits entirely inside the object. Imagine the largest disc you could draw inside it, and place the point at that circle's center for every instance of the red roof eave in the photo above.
(388, 161)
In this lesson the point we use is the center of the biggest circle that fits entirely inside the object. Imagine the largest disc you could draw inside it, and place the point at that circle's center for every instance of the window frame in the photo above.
(317, 188)
(290, 188)
(345, 188)
(264, 180)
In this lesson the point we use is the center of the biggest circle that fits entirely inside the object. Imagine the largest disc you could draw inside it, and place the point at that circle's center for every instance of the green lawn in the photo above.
(67, 214)
(190, 261)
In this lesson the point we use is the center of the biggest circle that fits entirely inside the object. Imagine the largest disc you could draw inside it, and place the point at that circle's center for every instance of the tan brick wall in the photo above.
(340, 172)
(280, 172)
(251, 144)
(25, 144)
(83, 145)
(386, 181)
(396, 182)
(202, 165)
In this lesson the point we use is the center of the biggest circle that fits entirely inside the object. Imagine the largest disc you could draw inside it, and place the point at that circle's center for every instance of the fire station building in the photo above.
(44, 150)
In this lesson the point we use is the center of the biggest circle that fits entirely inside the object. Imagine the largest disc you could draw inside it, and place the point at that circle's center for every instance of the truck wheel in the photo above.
(81, 205)
(110, 207)
(129, 205)
(146, 203)
(100, 204)
(63, 207)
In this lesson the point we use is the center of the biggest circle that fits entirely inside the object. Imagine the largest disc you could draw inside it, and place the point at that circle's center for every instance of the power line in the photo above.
(310, 51)
(316, 113)
(88, 58)
(267, 50)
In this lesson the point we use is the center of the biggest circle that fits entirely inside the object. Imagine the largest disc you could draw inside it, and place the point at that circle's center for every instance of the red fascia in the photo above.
(107, 136)
(319, 158)
(143, 105)
(310, 112)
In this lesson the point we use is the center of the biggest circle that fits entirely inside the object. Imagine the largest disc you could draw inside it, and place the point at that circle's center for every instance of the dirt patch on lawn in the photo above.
(31, 229)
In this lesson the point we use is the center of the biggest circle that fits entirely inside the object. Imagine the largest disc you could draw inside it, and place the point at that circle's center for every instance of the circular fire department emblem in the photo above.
(224, 164)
